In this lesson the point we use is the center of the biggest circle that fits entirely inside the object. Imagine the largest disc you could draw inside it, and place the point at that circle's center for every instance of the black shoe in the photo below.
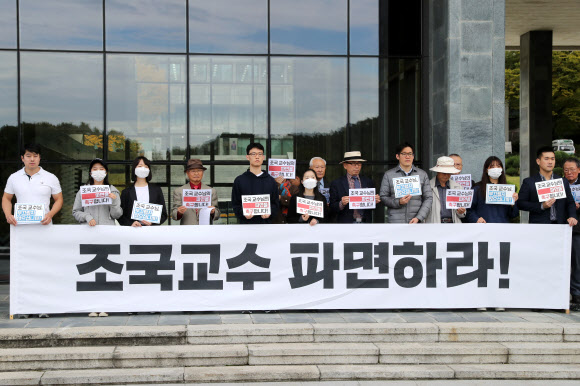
(576, 299)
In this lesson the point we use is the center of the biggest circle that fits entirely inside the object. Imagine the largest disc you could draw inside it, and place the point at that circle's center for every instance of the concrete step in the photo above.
(297, 373)
(288, 333)
(276, 354)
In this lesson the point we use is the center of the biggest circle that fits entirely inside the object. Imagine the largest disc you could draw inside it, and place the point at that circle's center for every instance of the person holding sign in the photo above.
(32, 185)
(98, 214)
(404, 205)
(255, 182)
(142, 192)
(309, 191)
(552, 211)
(482, 212)
(571, 170)
(339, 191)
(190, 214)
(439, 185)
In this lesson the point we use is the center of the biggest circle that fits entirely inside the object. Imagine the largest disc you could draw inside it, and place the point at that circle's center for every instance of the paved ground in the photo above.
(444, 382)
(370, 316)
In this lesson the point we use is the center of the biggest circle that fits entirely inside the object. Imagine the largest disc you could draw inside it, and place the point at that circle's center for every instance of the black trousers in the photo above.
(575, 273)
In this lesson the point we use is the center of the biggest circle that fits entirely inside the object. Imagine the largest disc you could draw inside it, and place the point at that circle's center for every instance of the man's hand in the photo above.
(460, 210)
(414, 220)
(405, 200)
(572, 221)
(305, 217)
(146, 223)
(47, 219)
(548, 204)
(577, 206)
(92, 223)
(280, 180)
(181, 209)
(136, 224)
(112, 196)
(345, 200)
(11, 219)
(249, 216)
(377, 198)
(313, 222)
(515, 196)
(481, 220)
(265, 216)
(212, 209)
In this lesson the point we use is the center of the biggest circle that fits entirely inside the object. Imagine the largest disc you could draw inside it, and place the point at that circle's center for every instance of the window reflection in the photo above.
(364, 130)
(8, 24)
(364, 27)
(153, 26)
(228, 104)
(8, 107)
(228, 26)
(146, 102)
(309, 105)
(61, 24)
(62, 104)
(308, 27)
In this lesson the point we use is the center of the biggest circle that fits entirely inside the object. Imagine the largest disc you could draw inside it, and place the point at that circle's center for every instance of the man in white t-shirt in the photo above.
(32, 185)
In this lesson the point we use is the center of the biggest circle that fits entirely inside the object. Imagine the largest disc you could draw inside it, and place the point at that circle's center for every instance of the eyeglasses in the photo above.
(256, 154)
(406, 154)
(458, 165)
(570, 170)
(354, 163)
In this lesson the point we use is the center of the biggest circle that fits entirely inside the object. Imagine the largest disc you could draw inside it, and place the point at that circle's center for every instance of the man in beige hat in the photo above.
(189, 216)
(339, 197)
(439, 185)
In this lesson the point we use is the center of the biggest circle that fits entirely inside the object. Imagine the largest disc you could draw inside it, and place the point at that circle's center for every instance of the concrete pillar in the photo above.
(466, 81)
(535, 98)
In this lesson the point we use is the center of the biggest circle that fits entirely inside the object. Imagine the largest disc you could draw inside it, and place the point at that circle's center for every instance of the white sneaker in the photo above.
(43, 315)
(500, 309)
(482, 309)
(103, 314)
(93, 315)
(23, 316)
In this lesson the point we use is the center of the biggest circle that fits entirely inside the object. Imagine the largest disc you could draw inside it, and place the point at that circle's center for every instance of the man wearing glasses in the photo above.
(339, 197)
(255, 181)
(408, 209)
(571, 170)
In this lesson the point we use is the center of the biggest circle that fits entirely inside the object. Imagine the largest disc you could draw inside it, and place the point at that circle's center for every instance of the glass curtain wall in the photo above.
(179, 79)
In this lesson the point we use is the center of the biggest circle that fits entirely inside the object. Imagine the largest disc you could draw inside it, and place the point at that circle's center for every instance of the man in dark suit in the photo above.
(339, 197)
(553, 211)
(571, 170)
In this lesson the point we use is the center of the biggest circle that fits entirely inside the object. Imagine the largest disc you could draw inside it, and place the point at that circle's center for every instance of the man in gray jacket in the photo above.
(408, 209)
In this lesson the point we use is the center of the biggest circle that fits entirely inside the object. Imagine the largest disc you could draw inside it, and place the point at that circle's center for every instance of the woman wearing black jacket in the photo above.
(141, 191)
(309, 191)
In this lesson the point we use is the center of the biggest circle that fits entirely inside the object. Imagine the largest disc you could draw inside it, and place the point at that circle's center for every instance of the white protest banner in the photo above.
(288, 267)
(363, 198)
(196, 198)
(309, 207)
(256, 205)
(143, 211)
(282, 167)
(550, 189)
(456, 199)
(462, 179)
(500, 194)
(95, 195)
(407, 185)
(575, 192)
(28, 213)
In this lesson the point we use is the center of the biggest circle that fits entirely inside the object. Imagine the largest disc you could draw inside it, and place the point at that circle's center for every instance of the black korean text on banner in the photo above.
(456, 199)
(550, 189)
(363, 198)
(95, 195)
(501, 194)
(256, 205)
(146, 212)
(462, 179)
(309, 207)
(196, 198)
(407, 185)
(28, 213)
(282, 167)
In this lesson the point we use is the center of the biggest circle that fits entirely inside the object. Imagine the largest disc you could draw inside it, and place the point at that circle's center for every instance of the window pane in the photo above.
(364, 108)
(308, 27)
(61, 24)
(62, 104)
(228, 103)
(146, 106)
(364, 27)
(8, 24)
(309, 107)
(8, 107)
(228, 26)
(137, 25)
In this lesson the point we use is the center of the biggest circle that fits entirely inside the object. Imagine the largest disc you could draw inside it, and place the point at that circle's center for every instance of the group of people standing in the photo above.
(33, 184)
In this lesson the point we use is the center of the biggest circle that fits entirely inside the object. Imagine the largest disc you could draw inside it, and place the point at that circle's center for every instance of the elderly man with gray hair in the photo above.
(318, 164)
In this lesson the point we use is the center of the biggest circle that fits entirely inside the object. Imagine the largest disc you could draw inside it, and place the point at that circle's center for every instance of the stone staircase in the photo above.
(289, 352)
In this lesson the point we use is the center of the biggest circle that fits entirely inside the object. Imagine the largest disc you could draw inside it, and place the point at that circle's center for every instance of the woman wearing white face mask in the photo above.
(309, 191)
(98, 214)
(480, 212)
(141, 191)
